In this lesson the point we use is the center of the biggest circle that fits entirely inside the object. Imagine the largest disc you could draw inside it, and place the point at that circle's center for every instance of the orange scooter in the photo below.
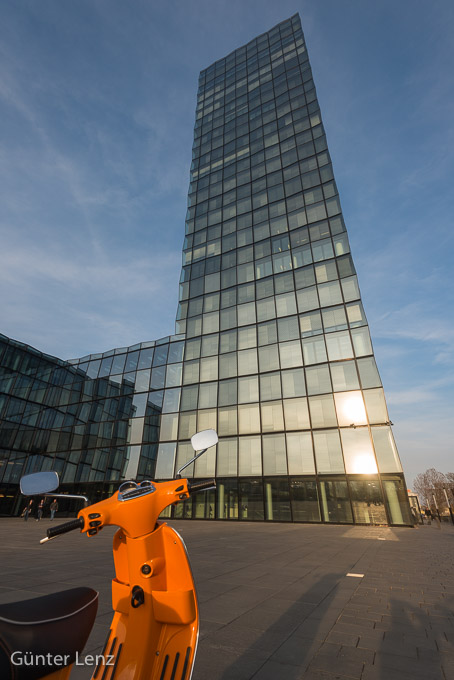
(154, 630)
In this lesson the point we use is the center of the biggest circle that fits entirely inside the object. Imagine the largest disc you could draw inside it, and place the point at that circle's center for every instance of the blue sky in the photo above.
(97, 103)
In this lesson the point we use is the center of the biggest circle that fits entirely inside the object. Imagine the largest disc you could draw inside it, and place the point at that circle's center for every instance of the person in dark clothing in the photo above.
(53, 509)
(28, 510)
(40, 510)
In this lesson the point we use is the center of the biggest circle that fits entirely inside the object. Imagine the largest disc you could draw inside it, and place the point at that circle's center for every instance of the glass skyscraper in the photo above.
(272, 347)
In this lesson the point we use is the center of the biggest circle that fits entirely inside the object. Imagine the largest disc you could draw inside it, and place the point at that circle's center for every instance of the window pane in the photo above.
(290, 354)
(269, 358)
(396, 499)
(190, 372)
(339, 346)
(251, 499)
(361, 341)
(299, 453)
(210, 345)
(355, 313)
(344, 376)
(206, 420)
(227, 365)
(227, 458)
(334, 319)
(189, 398)
(208, 395)
(249, 419)
(173, 375)
(322, 411)
(248, 389)
(277, 501)
(265, 309)
(227, 421)
(307, 299)
(367, 502)
(288, 328)
(227, 392)
(272, 416)
(368, 373)
(171, 401)
(169, 427)
(293, 384)
(246, 314)
(188, 425)
(228, 342)
(335, 502)
(318, 379)
(208, 369)
(247, 337)
(311, 324)
(274, 458)
(247, 362)
(296, 414)
(250, 456)
(165, 462)
(358, 451)
(270, 386)
(385, 448)
(328, 452)
(267, 333)
(304, 500)
(350, 408)
(286, 304)
(376, 406)
(314, 351)
(350, 288)
(329, 293)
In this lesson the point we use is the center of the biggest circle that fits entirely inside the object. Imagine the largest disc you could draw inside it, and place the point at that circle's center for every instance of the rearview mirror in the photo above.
(39, 483)
(204, 439)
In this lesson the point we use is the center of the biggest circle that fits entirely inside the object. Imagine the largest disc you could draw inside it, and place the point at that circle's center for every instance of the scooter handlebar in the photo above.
(193, 487)
(64, 528)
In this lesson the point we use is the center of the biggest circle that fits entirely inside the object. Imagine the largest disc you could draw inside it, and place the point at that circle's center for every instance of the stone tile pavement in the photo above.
(276, 600)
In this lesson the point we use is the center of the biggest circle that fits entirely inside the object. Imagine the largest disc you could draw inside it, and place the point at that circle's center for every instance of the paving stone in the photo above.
(396, 662)
(337, 637)
(342, 666)
(377, 672)
(297, 651)
(367, 642)
(317, 674)
(357, 621)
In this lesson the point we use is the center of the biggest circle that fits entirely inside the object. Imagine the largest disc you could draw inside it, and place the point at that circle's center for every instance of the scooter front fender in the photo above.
(155, 627)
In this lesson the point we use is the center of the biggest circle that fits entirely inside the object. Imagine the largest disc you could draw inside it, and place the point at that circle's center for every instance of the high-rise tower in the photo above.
(278, 355)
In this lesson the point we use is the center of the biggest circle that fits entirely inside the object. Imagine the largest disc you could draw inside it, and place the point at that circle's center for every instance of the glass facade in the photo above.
(272, 347)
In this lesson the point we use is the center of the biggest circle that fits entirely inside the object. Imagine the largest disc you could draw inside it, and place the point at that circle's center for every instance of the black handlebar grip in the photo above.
(193, 487)
(64, 528)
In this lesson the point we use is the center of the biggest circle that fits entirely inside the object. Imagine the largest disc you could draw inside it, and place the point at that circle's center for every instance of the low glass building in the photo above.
(272, 347)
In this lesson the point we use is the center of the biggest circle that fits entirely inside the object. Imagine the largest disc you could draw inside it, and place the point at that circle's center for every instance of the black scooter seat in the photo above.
(42, 635)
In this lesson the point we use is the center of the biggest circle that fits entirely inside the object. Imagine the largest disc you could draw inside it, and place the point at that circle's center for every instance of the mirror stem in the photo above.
(189, 463)
(67, 495)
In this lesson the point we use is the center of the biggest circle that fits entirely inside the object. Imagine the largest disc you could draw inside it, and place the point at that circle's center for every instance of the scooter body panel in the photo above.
(155, 639)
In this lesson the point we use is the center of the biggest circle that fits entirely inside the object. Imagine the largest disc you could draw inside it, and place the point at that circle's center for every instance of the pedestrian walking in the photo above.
(53, 509)
(40, 510)
(428, 515)
(28, 510)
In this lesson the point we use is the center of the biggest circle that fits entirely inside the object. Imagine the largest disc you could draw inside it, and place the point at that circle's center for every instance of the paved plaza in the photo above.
(276, 600)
